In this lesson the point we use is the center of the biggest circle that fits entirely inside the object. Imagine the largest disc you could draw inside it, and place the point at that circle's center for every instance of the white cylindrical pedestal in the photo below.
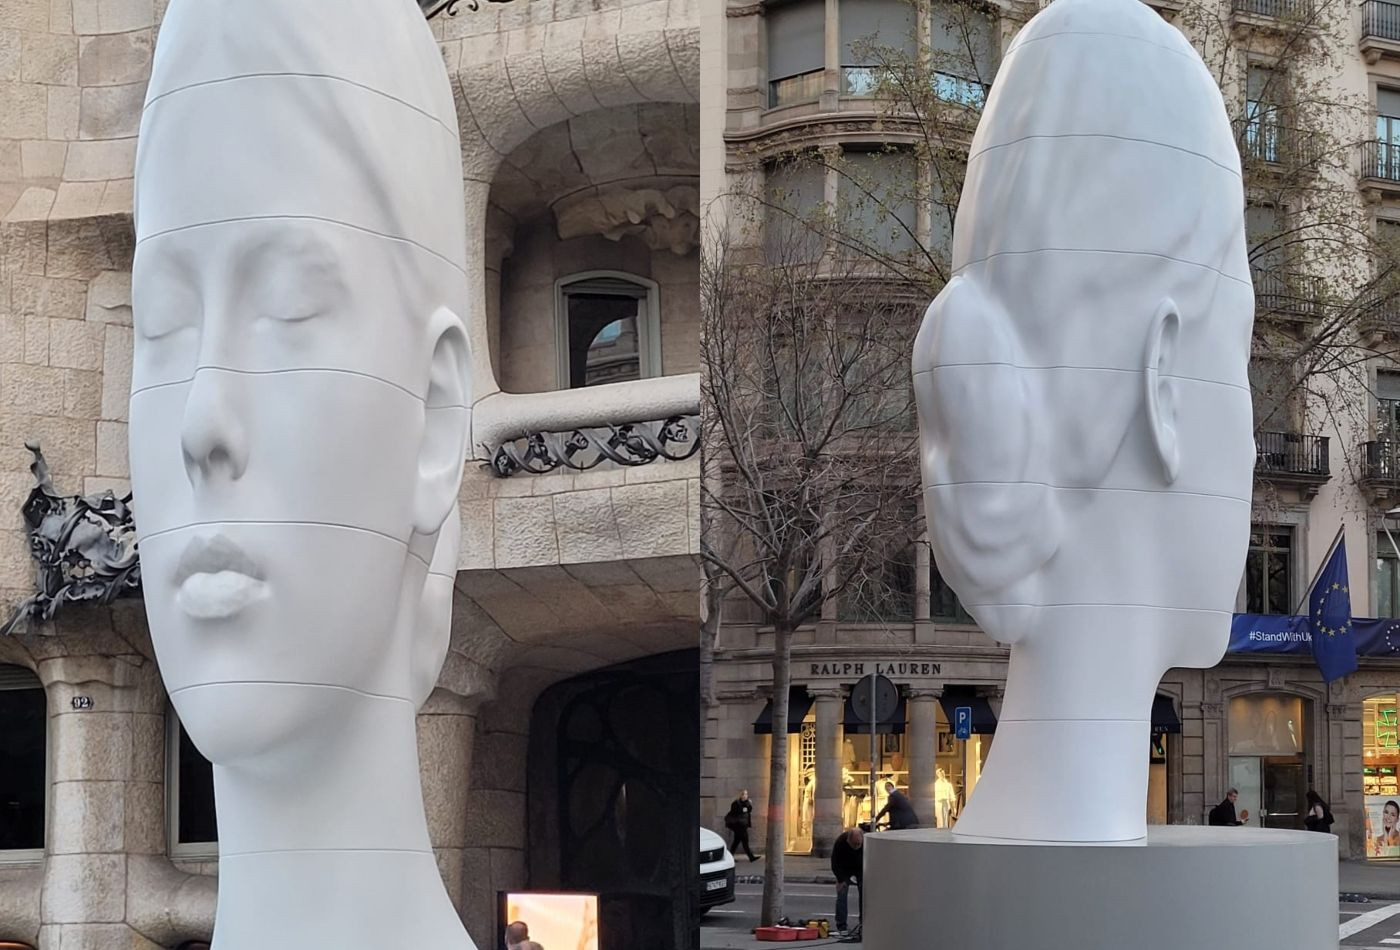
(1183, 887)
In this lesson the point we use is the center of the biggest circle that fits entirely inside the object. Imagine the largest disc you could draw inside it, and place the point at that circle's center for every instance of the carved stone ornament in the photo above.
(85, 547)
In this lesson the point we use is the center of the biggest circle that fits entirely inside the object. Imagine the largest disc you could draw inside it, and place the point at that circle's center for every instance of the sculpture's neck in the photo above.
(325, 844)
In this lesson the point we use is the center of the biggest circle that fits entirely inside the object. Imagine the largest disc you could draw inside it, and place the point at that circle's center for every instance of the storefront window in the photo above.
(802, 787)
(859, 751)
(957, 767)
(1380, 776)
(1268, 746)
(1157, 779)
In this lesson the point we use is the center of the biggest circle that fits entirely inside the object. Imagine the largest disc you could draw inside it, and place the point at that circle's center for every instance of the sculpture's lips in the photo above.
(216, 578)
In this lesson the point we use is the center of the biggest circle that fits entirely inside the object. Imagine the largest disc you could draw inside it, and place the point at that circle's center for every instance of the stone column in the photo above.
(922, 742)
(826, 810)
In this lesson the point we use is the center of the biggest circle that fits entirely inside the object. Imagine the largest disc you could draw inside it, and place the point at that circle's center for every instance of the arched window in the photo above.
(23, 764)
(608, 329)
(193, 831)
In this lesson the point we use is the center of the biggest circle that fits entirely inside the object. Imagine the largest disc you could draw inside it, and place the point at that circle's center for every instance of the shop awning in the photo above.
(798, 705)
(894, 725)
(983, 719)
(1164, 718)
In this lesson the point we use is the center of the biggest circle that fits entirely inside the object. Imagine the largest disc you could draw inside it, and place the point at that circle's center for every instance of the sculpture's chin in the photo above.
(238, 723)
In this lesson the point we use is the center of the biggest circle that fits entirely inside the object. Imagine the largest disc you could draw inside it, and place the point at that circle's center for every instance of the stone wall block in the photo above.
(76, 344)
(49, 60)
(87, 817)
(63, 109)
(91, 746)
(147, 747)
(23, 111)
(652, 519)
(116, 372)
(114, 59)
(100, 159)
(493, 819)
(49, 297)
(102, 937)
(113, 16)
(78, 249)
(111, 450)
(525, 532)
(11, 47)
(108, 112)
(144, 818)
(109, 298)
(82, 394)
(588, 528)
(11, 338)
(84, 889)
(43, 159)
(444, 754)
(37, 390)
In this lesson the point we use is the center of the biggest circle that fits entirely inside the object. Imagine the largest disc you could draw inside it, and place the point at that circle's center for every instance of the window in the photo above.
(1388, 132)
(963, 44)
(1271, 380)
(23, 764)
(795, 192)
(608, 329)
(943, 603)
(876, 192)
(884, 593)
(193, 830)
(869, 28)
(1387, 574)
(1268, 571)
(1387, 407)
(796, 51)
(1264, 226)
(1262, 112)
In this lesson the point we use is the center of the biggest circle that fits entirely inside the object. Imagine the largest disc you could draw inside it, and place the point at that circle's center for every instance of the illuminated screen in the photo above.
(556, 921)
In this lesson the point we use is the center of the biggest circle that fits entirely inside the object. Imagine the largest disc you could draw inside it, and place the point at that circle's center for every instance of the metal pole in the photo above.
(873, 683)
(1321, 565)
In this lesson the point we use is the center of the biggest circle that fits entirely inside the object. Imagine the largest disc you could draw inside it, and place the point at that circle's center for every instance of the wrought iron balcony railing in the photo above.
(1261, 140)
(1380, 464)
(635, 443)
(1380, 20)
(1380, 160)
(1291, 456)
(1379, 309)
(1286, 294)
(1274, 9)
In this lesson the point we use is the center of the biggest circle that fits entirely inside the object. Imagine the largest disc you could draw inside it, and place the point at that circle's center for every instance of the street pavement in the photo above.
(1368, 916)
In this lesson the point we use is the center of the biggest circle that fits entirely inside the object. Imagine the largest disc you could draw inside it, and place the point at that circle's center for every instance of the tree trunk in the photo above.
(710, 802)
(774, 839)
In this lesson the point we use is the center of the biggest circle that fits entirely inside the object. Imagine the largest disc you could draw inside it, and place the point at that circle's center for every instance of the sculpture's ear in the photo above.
(446, 429)
(433, 631)
(1160, 387)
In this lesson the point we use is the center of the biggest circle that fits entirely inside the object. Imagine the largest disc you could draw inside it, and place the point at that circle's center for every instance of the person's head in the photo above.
(743, 794)
(889, 788)
(856, 837)
(516, 933)
(1390, 814)
(1314, 798)
(1082, 378)
(1232, 794)
(301, 379)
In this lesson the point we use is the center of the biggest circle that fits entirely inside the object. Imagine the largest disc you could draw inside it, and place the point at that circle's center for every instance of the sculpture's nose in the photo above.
(212, 438)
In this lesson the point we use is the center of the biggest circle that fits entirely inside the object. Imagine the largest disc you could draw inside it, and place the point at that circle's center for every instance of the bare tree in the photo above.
(809, 433)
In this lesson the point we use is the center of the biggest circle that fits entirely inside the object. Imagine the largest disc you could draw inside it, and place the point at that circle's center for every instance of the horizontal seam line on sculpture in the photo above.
(304, 524)
(305, 217)
(1118, 36)
(1099, 369)
(348, 689)
(1194, 610)
(452, 133)
(1136, 491)
(1106, 250)
(1104, 135)
(298, 369)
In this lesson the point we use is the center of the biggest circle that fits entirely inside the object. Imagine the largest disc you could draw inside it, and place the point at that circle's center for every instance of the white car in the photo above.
(716, 871)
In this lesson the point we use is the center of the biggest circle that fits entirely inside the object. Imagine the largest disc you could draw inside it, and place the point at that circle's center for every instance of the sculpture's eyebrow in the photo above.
(291, 258)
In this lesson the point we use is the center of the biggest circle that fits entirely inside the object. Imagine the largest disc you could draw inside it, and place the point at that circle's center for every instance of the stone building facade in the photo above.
(578, 123)
(798, 78)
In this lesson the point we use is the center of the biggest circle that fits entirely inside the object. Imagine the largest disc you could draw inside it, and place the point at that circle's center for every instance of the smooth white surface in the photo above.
(1084, 406)
(299, 423)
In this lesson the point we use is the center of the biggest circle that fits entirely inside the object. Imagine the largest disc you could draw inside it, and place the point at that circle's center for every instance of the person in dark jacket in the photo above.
(1224, 813)
(739, 820)
(847, 863)
(901, 812)
(1319, 817)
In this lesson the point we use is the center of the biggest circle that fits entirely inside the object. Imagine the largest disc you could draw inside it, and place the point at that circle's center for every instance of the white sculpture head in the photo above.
(300, 386)
(1082, 380)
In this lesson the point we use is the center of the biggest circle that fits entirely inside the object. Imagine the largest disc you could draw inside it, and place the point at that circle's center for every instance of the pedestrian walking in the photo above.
(739, 820)
(900, 810)
(848, 863)
(1224, 813)
(1319, 816)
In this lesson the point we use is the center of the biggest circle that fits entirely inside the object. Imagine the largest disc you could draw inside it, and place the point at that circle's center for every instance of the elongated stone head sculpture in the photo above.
(299, 421)
(1085, 409)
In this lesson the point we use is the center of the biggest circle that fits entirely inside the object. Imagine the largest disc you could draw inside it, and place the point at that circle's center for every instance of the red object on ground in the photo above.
(786, 933)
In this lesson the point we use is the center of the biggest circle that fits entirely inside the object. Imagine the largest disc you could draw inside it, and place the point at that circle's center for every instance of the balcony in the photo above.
(1287, 296)
(804, 87)
(1271, 13)
(1380, 467)
(1380, 30)
(1380, 169)
(1378, 310)
(1269, 146)
(1290, 458)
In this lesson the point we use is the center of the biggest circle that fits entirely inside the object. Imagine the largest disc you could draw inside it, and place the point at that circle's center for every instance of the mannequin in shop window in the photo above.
(805, 803)
(944, 799)
(1081, 385)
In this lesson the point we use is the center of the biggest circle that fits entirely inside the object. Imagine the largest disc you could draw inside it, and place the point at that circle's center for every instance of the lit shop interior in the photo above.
(1380, 786)
(1268, 758)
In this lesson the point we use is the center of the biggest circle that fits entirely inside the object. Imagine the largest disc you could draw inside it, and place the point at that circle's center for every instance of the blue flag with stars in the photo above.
(1329, 618)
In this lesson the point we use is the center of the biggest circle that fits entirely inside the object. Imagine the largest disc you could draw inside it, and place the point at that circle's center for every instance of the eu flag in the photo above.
(1329, 619)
